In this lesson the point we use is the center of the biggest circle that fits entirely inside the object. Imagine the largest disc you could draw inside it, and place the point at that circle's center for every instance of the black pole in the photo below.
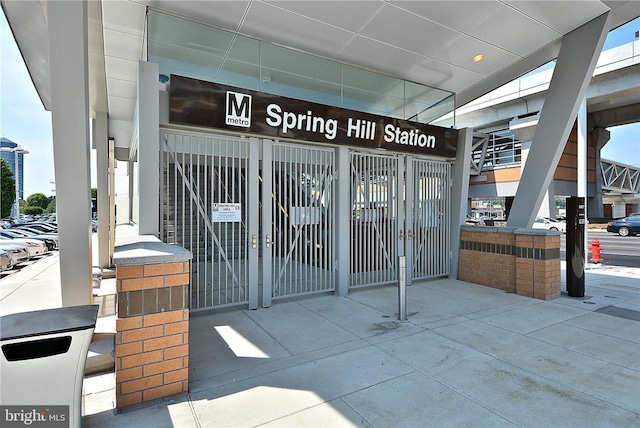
(576, 221)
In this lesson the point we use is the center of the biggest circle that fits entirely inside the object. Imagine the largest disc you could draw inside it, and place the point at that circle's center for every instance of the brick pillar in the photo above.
(524, 261)
(537, 264)
(524, 265)
(152, 332)
(546, 270)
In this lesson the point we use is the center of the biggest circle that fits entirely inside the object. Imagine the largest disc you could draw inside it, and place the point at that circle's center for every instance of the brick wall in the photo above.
(522, 261)
(152, 332)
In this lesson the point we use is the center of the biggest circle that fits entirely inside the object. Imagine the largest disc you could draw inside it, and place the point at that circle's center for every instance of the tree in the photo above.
(7, 189)
(38, 200)
(51, 208)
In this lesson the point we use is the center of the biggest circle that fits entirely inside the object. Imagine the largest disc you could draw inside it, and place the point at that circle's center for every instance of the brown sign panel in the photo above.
(201, 103)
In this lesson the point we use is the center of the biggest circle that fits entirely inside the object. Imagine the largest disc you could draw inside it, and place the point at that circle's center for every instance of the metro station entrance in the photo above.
(259, 216)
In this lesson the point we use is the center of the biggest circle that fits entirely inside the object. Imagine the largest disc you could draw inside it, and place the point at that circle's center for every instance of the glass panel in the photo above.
(199, 51)
(440, 111)
(241, 67)
(185, 47)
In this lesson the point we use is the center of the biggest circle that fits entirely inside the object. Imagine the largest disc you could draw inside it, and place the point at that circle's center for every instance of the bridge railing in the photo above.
(620, 177)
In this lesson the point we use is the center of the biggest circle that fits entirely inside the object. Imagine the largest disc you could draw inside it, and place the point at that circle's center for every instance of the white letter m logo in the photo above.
(238, 109)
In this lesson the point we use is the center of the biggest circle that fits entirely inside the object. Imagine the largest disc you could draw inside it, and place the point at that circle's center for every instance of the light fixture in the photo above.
(477, 58)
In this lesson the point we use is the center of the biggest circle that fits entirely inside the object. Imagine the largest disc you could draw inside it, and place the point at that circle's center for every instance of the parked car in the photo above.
(625, 226)
(36, 247)
(34, 231)
(549, 224)
(42, 227)
(6, 261)
(51, 241)
(19, 252)
(474, 222)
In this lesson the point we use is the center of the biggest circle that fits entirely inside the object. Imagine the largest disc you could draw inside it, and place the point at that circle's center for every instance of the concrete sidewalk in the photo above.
(468, 355)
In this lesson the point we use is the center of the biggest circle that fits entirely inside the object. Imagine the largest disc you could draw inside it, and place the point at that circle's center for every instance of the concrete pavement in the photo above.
(469, 355)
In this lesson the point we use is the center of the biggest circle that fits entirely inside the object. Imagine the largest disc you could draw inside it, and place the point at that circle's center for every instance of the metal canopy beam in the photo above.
(574, 68)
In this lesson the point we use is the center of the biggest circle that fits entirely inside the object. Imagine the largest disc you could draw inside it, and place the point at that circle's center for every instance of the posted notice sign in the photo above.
(229, 212)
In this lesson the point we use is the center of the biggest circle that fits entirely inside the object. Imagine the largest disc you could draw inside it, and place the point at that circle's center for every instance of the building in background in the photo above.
(10, 157)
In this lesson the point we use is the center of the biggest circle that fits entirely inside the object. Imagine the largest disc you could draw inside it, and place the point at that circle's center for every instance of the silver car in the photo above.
(36, 248)
(6, 261)
(19, 252)
(50, 240)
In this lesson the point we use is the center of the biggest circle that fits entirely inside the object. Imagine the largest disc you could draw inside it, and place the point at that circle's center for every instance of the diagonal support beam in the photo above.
(574, 68)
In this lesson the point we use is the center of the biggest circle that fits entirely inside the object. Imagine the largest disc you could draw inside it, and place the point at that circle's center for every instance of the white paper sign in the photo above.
(221, 213)
(305, 215)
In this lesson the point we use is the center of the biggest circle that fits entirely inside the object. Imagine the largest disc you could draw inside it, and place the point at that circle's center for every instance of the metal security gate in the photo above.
(204, 208)
(253, 225)
(259, 217)
(297, 220)
(400, 207)
(428, 212)
(374, 223)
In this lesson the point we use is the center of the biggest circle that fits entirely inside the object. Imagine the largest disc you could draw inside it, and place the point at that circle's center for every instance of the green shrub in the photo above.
(33, 210)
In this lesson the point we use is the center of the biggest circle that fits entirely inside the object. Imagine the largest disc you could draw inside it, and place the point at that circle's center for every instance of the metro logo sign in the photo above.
(238, 111)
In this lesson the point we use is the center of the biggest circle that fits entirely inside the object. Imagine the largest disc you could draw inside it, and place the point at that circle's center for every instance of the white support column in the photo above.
(460, 194)
(148, 149)
(343, 221)
(595, 205)
(582, 168)
(618, 209)
(67, 22)
(102, 172)
(582, 149)
(574, 68)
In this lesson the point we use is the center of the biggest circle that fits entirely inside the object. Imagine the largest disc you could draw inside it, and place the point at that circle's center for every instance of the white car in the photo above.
(50, 240)
(19, 252)
(6, 261)
(549, 224)
(36, 248)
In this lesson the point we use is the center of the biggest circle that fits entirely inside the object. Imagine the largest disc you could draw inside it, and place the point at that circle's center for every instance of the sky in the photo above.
(24, 121)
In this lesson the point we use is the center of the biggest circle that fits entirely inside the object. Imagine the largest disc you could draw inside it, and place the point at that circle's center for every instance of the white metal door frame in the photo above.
(428, 218)
(377, 217)
(297, 215)
(200, 172)
(416, 201)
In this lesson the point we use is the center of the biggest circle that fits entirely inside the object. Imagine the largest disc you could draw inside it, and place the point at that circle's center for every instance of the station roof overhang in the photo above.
(430, 43)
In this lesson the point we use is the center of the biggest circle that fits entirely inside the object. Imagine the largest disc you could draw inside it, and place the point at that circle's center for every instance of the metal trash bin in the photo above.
(42, 363)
